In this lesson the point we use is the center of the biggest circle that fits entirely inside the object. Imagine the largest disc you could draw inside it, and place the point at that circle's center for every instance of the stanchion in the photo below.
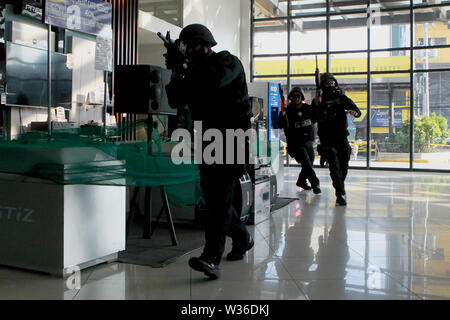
(148, 229)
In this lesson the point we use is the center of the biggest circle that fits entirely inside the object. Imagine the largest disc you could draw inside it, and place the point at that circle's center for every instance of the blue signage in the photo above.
(274, 109)
(88, 16)
(274, 95)
(380, 118)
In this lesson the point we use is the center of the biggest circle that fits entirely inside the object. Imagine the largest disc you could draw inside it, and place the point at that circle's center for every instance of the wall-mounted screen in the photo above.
(257, 108)
(26, 77)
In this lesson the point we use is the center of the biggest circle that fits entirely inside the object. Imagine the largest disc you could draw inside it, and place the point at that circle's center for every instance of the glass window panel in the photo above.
(431, 26)
(269, 9)
(305, 7)
(390, 29)
(270, 37)
(425, 2)
(431, 110)
(348, 62)
(390, 60)
(432, 58)
(389, 3)
(345, 5)
(348, 32)
(269, 66)
(307, 64)
(308, 35)
(169, 10)
(389, 120)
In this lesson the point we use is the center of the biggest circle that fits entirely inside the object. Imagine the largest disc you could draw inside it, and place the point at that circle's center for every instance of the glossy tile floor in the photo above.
(392, 241)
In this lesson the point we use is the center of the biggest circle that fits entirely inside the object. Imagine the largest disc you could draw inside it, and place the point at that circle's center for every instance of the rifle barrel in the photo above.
(162, 38)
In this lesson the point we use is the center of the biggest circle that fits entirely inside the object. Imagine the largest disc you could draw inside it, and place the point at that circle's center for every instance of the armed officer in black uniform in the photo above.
(330, 111)
(295, 119)
(214, 87)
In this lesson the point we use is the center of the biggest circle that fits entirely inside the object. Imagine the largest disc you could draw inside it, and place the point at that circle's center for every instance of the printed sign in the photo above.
(380, 118)
(32, 8)
(88, 16)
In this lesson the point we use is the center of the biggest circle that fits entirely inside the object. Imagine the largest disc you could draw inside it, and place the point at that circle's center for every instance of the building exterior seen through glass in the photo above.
(392, 59)
(168, 10)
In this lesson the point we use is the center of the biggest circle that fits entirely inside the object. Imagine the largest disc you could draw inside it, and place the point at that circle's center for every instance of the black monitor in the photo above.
(26, 77)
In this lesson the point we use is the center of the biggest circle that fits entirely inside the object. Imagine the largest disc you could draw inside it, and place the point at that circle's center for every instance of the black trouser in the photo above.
(304, 154)
(219, 188)
(338, 156)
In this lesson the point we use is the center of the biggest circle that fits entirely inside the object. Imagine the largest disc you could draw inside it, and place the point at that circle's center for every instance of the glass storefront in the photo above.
(392, 60)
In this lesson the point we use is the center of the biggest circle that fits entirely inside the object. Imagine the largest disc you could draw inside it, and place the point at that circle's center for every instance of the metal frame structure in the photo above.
(409, 11)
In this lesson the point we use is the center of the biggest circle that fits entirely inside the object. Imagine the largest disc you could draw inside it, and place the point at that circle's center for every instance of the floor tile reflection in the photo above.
(166, 288)
(390, 242)
(242, 290)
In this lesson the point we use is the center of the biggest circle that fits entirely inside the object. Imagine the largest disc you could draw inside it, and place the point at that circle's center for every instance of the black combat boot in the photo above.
(238, 254)
(205, 265)
(303, 184)
(340, 200)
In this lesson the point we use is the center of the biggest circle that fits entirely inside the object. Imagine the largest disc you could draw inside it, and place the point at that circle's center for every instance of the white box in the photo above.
(52, 228)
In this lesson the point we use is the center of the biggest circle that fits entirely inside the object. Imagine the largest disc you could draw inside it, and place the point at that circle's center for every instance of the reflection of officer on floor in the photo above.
(304, 226)
(332, 259)
(330, 111)
(295, 119)
(213, 86)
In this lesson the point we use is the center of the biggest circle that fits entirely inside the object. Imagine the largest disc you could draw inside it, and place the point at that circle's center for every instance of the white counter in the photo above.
(52, 227)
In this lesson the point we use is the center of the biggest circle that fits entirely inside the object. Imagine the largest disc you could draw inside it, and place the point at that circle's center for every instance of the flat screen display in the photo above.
(26, 77)
(257, 108)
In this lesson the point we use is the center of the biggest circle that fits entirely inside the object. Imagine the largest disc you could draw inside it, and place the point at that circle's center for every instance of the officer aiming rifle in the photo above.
(213, 86)
(331, 107)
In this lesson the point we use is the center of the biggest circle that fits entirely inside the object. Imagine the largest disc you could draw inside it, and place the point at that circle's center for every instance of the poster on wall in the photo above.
(88, 16)
(32, 8)
(103, 54)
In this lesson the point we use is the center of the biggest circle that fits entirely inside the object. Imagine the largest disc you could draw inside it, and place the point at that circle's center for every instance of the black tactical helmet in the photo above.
(327, 76)
(197, 32)
(296, 89)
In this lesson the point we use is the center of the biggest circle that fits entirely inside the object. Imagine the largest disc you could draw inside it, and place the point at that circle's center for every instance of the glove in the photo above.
(174, 58)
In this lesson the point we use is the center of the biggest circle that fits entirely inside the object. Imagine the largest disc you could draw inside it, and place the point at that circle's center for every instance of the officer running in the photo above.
(295, 119)
(330, 111)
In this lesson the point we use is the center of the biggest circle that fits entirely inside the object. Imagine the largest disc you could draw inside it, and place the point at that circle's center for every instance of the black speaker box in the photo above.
(140, 89)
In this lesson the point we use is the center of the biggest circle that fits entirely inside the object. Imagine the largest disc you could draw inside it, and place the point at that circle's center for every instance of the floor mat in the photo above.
(158, 251)
(280, 202)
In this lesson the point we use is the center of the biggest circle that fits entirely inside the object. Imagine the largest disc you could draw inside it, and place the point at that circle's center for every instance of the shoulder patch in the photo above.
(225, 58)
